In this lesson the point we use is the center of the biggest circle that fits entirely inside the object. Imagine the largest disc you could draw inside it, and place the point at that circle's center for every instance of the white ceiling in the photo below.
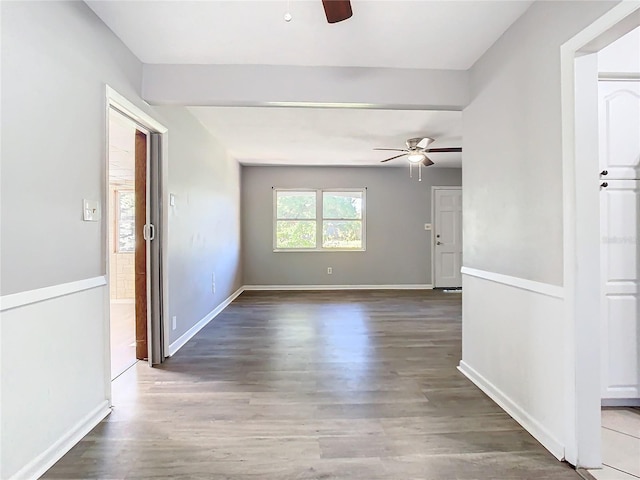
(393, 34)
(328, 136)
(444, 34)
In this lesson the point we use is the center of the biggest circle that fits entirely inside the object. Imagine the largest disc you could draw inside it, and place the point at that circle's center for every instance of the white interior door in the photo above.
(619, 209)
(619, 123)
(447, 236)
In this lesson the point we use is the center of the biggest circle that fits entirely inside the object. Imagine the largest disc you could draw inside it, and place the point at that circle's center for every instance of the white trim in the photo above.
(114, 99)
(621, 402)
(618, 77)
(523, 418)
(20, 299)
(189, 334)
(340, 287)
(521, 283)
(43, 462)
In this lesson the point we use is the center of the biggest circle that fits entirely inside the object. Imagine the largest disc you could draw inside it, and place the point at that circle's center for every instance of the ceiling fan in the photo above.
(417, 149)
(337, 10)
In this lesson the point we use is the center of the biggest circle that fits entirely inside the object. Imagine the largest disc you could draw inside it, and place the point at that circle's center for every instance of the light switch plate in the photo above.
(90, 210)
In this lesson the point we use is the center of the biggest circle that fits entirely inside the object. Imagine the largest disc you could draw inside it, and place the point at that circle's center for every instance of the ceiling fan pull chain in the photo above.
(420, 171)
(287, 15)
(410, 170)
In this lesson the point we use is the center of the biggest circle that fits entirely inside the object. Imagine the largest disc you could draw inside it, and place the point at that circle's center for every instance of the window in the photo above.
(126, 218)
(319, 220)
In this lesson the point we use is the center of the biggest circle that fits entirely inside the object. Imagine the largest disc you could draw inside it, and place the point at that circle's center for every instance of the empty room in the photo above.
(315, 239)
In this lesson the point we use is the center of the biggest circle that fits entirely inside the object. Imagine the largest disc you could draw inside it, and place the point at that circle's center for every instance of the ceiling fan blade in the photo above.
(337, 10)
(449, 149)
(427, 162)
(397, 156)
(425, 142)
(391, 149)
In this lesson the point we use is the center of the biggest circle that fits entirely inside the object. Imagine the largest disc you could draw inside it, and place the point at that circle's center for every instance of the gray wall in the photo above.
(512, 145)
(56, 59)
(398, 248)
(204, 225)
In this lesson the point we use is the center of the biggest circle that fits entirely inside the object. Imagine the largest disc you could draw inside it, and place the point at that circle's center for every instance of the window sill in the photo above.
(318, 250)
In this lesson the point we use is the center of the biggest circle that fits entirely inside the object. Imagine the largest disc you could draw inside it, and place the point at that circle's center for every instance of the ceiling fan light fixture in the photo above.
(416, 157)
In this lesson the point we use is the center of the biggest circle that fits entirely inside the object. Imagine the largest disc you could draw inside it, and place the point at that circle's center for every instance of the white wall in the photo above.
(56, 59)
(398, 249)
(513, 220)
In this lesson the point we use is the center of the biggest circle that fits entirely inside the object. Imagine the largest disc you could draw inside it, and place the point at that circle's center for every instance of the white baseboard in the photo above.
(518, 414)
(340, 287)
(189, 334)
(620, 402)
(43, 462)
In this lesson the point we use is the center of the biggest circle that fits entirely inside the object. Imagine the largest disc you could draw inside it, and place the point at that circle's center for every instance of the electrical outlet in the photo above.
(174, 322)
(329, 270)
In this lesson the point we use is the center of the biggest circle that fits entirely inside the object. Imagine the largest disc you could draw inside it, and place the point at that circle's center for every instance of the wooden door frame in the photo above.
(433, 227)
(146, 124)
(140, 263)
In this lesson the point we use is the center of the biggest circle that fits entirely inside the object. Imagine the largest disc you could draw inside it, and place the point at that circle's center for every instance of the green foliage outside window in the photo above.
(342, 225)
(297, 222)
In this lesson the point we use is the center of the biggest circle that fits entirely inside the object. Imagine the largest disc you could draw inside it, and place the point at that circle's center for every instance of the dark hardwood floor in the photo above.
(313, 385)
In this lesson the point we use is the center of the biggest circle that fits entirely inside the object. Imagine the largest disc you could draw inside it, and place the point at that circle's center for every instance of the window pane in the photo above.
(296, 205)
(126, 222)
(296, 234)
(342, 205)
(342, 234)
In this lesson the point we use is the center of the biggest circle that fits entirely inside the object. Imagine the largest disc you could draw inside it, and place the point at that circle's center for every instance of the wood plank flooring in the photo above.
(309, 386)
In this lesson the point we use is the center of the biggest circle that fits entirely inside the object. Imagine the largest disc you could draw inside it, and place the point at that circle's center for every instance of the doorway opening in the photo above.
(141, 203)
(127, 252)
(598, 208)
(619, 156)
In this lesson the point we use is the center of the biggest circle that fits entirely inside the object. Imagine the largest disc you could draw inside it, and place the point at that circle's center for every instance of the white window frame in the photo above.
(319, 219)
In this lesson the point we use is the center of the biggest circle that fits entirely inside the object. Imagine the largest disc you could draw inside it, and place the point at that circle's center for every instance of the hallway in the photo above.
(313, 385)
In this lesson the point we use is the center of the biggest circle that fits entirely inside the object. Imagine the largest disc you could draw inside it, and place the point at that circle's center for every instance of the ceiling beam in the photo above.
(270, 85)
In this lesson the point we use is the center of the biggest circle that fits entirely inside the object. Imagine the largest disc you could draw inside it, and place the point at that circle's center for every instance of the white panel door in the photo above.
(619, 123)
(447, 237)
(619, 209)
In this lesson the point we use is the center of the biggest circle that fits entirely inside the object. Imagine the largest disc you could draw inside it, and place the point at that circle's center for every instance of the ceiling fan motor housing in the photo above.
(419, 143)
